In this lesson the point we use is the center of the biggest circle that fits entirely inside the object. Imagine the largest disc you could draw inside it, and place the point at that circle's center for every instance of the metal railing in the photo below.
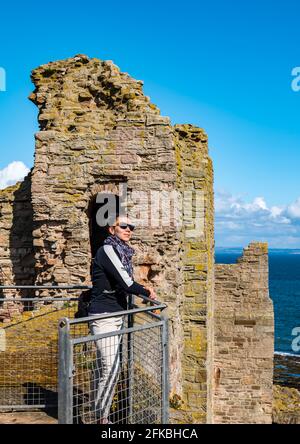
(118, 372)
(29, 343)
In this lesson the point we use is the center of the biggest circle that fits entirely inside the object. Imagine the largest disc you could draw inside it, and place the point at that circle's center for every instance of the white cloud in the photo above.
(275, 211)
(11, 174)
(239, 222)
(293, 210)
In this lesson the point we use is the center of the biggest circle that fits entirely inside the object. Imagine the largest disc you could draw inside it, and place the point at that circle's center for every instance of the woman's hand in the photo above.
(152, 294)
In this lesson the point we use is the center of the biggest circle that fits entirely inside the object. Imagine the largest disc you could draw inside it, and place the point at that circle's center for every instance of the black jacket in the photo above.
(111, 282)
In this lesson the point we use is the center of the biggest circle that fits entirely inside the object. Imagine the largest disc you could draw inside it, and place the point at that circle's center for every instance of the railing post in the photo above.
(165, 371)
(65, 373)
(130, 358)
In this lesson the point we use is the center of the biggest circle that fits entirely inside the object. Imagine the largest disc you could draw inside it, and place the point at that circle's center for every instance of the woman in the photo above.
(112, 277)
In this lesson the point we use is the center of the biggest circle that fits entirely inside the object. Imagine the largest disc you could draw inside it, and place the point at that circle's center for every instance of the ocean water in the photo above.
(284, 289)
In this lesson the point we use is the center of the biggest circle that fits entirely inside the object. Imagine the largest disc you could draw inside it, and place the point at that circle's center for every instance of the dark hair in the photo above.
(112, 220)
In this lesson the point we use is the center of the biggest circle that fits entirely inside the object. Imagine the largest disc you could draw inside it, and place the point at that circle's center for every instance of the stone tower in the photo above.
(100, 135)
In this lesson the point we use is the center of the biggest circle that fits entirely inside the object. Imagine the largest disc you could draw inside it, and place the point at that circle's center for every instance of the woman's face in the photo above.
(123, 234)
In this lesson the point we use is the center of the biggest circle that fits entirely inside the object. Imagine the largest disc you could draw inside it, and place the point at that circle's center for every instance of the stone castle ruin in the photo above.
(99, 133)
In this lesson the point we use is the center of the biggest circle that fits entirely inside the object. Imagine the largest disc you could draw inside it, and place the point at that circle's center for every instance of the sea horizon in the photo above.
(269, 248)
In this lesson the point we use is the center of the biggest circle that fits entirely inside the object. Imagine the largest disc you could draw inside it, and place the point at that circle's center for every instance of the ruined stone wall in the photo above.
(16, 250)
(244, 340)
(98, 131)
(195, 175)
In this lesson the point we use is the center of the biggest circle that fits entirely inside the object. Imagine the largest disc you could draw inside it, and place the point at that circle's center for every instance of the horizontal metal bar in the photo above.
(85, 339)
(44, 287)
(37, 299)
(114, 314)
(26, 407)
(63, 287)
(146, 299)
(154, 315)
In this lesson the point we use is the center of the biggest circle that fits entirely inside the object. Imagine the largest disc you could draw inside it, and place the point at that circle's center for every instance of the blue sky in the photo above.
(222, 65)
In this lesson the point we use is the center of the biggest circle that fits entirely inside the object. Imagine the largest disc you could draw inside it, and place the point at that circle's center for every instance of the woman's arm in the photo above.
(114, 266)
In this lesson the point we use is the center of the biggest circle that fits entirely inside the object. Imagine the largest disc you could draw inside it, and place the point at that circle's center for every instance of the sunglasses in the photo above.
(123, 226)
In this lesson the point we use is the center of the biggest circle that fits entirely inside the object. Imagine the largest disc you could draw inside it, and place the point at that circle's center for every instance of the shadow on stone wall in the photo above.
(21, 239)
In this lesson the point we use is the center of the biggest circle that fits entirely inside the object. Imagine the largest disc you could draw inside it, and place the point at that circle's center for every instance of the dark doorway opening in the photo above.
(99, 233)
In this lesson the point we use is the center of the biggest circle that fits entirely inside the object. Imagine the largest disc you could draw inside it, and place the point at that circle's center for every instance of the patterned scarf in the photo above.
(125, 251)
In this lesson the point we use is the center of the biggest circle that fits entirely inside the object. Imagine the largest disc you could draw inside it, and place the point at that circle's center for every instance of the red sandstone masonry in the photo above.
(244, 340)
(16, 249)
